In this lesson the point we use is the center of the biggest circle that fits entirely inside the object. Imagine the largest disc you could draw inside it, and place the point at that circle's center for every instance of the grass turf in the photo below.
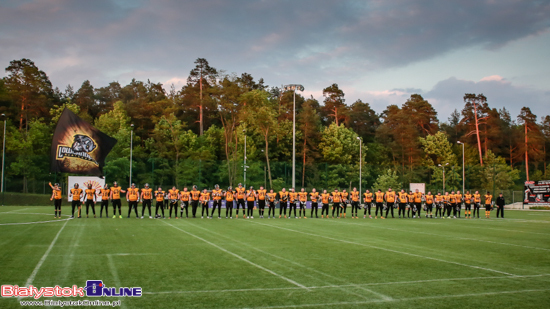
(278, 263)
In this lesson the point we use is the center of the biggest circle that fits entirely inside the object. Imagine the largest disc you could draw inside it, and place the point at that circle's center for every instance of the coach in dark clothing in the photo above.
(500, 205)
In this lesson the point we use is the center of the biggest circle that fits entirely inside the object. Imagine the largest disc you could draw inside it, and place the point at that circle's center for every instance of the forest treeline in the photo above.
(195, 135)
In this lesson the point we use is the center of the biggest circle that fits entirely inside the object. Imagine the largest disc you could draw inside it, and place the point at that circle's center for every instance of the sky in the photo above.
(378, 51)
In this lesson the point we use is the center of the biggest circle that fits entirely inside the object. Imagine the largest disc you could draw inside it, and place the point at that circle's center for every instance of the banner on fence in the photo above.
(537, 193)
(420, 186)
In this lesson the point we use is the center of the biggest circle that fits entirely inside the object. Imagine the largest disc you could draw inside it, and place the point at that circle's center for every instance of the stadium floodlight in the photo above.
(463, 166)
(293, 87)
(360, 167)
(3, 155)
(131, 149)
(443, 168)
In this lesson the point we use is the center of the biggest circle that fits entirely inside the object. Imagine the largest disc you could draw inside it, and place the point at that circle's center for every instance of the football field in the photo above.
(284, 263)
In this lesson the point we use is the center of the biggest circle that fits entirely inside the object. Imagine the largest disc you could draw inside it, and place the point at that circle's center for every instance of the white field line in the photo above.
(405, 299)
(299, 265)
(37, 222)
(37, 268)
(348, 285)
(446, 236)
(239, 257)
(386, 249)
(13, 211)
(32, 213)
(114, 273)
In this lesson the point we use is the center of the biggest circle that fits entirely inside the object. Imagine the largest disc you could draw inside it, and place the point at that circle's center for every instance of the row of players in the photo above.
(338, 201)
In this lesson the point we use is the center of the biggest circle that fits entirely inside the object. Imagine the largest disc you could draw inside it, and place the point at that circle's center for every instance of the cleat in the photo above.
(219, 217)
(94, 217)
(230, 217)
(114, 216)
(370, 217)
(120, 216)
(364, 217)
(201, 217)
(280, 216)
(305, 217)
(86, 217)
(72, 217)
(141, 217)
(382, 217)
(150, 217)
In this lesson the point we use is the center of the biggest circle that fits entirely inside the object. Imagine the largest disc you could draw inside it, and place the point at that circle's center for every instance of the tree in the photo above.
(532, 136)
(496, 174)
(363, 120)
(171, 139)
(339, 145)
(85, 99)
(389, 179)
(30, 88)
(309, 123)
(261, 114)
(438, 151)
(334, 104)
(473, 114)
(202, 72)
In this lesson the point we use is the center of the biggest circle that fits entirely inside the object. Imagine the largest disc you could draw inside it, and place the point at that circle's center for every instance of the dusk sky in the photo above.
(378, 51)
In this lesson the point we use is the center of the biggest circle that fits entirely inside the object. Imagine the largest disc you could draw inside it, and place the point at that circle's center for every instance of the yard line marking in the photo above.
(386, 249)
(346, 285)
(298, 264)
(453, 237)
(37, 222)
(239, 257)
(405, 299)
(37, 268)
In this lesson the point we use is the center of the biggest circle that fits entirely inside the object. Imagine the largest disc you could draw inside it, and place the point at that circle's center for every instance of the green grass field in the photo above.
(285, 263)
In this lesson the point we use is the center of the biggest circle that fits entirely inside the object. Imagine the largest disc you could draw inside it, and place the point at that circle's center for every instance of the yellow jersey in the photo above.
(417, 197)
(251, 196)
(240, 193)
(133, 194)
(314, 196)
(488, 199)
(116, 192)
(105, 193)
(261, 194)
(159, 196)
(77, 193)
(368, 197)
(355, 196)
(195, 195)
(90, 193)
(390, 196)
(229, 196)
(324, 198)
(271, 196)
(303, 196)
(336, 197)
(429, 199)
(147, 193)
(403, 197)
(467, 198)
(217, 194)
(57, 194)
(283, 196)
(380, 197)
(184, 196)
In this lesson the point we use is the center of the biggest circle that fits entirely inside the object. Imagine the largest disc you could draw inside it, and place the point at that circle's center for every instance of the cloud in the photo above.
(318, 41)
(447, 95)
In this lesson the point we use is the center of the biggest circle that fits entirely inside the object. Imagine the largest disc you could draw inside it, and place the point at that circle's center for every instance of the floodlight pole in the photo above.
(3, 157)
(131, 150)
(360, 166)
(463, 168)
(294, 87)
